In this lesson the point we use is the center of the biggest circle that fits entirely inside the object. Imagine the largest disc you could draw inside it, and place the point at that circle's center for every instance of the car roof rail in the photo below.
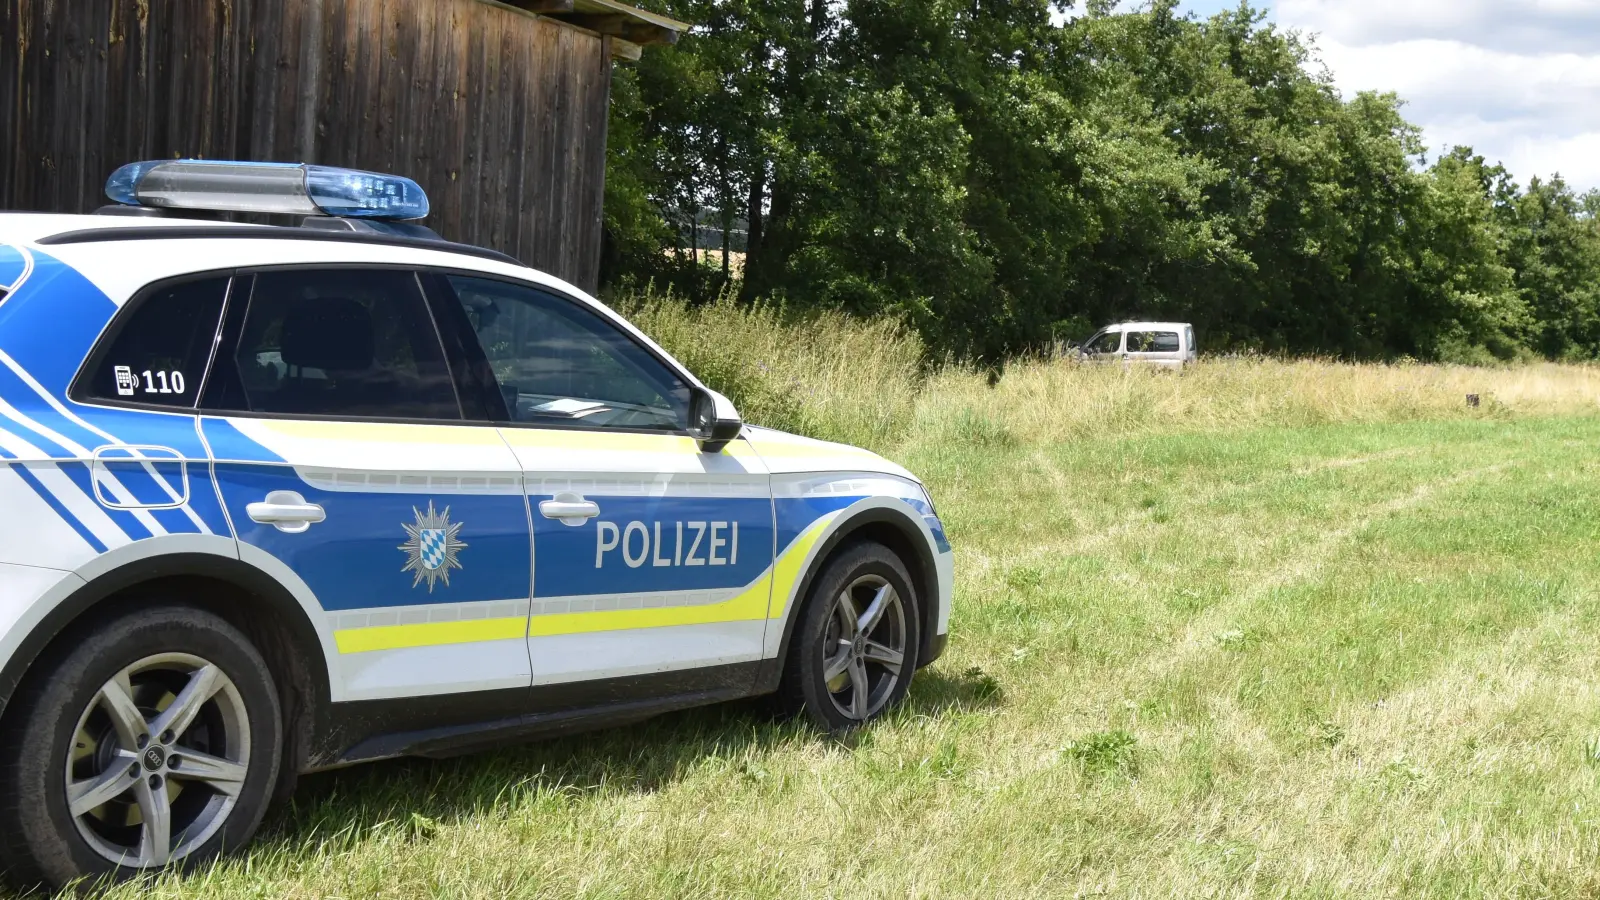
(274, 232)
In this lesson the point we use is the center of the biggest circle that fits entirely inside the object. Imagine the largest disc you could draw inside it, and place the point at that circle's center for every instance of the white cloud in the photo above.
(1518, 80)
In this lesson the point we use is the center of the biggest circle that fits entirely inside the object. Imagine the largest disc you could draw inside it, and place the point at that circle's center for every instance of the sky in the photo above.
(1517, 80)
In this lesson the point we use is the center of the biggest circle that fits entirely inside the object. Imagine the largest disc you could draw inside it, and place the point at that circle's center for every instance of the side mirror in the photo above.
(713, 421)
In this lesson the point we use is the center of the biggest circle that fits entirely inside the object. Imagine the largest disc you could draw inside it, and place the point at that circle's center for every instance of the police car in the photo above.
(276, 499)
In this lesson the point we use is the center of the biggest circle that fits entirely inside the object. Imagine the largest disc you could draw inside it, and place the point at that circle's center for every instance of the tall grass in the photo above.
(866, 382)
(828, 376)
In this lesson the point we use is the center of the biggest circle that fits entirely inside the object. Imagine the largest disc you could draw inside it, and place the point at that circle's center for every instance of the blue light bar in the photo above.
(289, 188)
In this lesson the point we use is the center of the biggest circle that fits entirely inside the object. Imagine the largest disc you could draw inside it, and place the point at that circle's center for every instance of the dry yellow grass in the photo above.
(829, 375)
(866, 382)
(1043, 402)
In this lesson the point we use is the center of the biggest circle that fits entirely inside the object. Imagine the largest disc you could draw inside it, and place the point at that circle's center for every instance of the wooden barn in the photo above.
(498, 110)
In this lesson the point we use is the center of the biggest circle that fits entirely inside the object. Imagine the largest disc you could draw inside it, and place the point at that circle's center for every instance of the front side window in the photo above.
(345, 343)
(157, 353)
(1106, 342)
(556, 362)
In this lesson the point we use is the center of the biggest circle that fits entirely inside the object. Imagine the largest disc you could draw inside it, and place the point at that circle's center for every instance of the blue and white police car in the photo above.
(275, 499)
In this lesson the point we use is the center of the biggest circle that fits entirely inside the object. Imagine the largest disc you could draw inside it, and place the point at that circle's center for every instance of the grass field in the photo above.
(1260, 631)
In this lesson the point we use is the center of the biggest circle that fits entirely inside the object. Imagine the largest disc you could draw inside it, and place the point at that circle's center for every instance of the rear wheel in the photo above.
(854, 649)
(155, 741)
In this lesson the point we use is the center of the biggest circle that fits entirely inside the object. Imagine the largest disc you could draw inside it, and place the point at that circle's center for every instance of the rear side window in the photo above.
(157, 350)
(345, 343)
(1152, 342)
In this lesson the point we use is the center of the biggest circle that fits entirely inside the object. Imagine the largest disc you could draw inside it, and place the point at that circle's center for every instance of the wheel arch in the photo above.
(236, 591)
(896, 526)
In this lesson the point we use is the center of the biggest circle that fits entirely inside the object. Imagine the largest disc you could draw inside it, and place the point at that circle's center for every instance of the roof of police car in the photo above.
(98, 246)
(53, 229)
(120, 267)
(31, 227)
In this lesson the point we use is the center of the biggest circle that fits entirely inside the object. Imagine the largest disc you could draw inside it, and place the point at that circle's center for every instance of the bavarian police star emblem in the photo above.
(432, 550)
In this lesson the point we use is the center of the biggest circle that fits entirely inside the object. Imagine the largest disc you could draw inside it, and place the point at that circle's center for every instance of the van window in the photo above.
(1152, 342)
(1105, 342)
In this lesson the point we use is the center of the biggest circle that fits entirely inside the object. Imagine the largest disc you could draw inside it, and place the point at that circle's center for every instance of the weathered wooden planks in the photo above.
(500, 115)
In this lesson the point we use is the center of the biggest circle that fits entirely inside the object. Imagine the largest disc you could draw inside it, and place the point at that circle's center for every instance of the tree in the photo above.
(1004, 173)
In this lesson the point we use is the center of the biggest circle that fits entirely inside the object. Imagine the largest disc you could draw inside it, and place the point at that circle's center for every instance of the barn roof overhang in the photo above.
(630, 27)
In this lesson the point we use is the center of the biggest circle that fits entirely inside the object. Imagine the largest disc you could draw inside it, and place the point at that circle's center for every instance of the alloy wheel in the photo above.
(864, 647)
(158, 759)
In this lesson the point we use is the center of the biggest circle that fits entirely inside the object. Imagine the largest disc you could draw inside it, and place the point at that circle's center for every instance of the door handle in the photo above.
(569, 509)
(286, 511)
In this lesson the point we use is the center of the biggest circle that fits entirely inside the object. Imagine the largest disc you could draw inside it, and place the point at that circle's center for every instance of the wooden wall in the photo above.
(500, 115)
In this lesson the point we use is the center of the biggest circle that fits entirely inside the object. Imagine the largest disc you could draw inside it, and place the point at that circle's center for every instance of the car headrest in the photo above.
(328, 333)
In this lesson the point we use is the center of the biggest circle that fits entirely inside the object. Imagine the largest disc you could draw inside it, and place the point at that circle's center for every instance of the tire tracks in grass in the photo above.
(1134, 678)
(1200, 634)
(1029, 743)
(1141, 520)
(1437, 741)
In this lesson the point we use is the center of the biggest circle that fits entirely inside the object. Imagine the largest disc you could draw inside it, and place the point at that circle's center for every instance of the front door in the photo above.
(347, 469)
(1105, 346)
(650, 556)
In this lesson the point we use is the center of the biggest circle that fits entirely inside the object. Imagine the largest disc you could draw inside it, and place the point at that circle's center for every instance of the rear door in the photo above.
(151, 475)
(349, 472)
(652, 559)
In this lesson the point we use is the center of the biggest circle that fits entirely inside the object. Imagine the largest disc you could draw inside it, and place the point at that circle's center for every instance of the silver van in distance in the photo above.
(1169, 345)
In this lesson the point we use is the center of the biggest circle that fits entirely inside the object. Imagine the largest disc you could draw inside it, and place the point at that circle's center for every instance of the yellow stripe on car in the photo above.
(376, 432)
(792, 564)
(429, 634)
(556, 439)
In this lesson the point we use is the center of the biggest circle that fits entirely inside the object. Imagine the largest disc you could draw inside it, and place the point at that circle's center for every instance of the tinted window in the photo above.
(556, 362)
(342, 342)
(1109, 342)
(159, 347)
(1152, 342)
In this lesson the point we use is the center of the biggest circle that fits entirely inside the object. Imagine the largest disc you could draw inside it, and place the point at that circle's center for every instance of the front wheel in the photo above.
(154, 741)
(854, 649)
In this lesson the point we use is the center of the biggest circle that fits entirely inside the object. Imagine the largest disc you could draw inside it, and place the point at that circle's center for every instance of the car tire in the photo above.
(155, 713)
(840, 677)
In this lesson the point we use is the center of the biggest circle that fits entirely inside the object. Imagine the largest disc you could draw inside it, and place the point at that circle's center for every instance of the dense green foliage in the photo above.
(1004, 173)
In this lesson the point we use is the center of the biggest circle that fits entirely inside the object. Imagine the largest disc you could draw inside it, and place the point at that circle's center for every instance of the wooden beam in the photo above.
(605, 23)
(626, 27)
(542, 6)
(627, 51)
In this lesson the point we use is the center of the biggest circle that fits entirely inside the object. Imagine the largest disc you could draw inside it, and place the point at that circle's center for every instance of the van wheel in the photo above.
(155, 740)
(854, 649)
